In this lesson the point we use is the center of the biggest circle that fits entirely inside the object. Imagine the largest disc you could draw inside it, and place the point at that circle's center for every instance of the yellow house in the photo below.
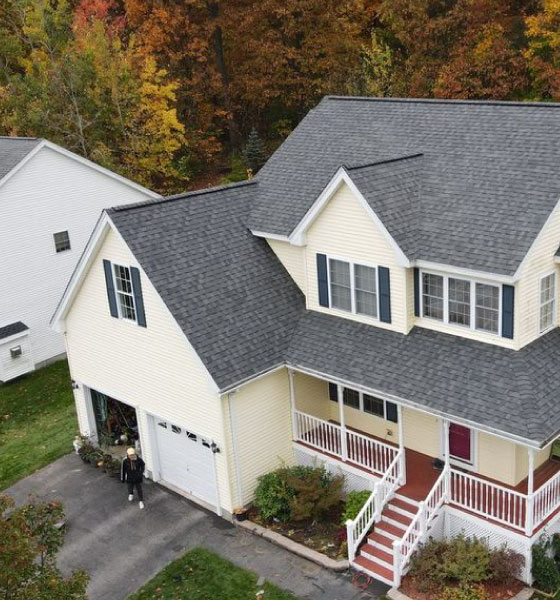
(381, 299)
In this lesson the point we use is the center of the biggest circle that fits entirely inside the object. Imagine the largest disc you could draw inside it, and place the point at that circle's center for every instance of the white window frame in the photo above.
(473, 464)
(361, 405)
(352, 263)
(117, 292)
(473, 282)
(553, 301)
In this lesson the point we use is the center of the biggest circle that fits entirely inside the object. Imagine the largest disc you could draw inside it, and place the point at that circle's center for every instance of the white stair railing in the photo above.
(418, 528)
(371, 511)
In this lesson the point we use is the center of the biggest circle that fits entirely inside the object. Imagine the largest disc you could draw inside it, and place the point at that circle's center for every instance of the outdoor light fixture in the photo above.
(75, 386)
(214, 447)
(16, 351)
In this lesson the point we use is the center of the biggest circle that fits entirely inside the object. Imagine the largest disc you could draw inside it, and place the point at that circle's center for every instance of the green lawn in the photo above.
(201, 575)
(37, 422)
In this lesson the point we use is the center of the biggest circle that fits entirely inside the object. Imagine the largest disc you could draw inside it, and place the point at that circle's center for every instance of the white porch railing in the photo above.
(487, 499)
(366, 452)
(417, 530)
(545, 500)
(372, 509)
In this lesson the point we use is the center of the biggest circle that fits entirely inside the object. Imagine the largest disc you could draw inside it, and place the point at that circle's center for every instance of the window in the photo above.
(61, 241)
(125, 294)
(351, 398)
(487, 307)
(547, 302)
(341, 289)
(459, 301)
(365, 289)
(365, 403)
(353, 287)
(432, 296)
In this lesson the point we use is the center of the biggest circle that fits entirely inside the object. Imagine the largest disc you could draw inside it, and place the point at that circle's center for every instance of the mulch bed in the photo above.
(495, 591)
(325, 537)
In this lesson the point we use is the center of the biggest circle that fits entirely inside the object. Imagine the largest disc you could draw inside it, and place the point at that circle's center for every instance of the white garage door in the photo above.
(185, 460)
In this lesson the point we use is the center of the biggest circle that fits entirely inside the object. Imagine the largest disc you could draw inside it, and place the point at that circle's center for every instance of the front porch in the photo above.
(523, 506)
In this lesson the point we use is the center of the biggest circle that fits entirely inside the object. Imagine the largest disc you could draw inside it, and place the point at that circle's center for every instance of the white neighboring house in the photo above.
(50, 200)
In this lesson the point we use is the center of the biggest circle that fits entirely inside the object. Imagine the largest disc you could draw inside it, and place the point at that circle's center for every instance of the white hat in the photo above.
(131, 452)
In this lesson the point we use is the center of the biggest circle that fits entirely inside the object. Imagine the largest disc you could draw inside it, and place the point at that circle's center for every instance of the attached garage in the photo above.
(185, 460)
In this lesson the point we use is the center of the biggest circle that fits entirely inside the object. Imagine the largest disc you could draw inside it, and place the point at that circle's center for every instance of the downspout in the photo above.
(235, 448)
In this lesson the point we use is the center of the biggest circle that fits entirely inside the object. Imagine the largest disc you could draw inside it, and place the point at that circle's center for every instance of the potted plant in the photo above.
(240, 513)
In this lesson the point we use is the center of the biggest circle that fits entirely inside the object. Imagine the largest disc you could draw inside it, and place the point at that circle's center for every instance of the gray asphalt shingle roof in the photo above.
(228, 292)
(511, 391)
(11, 329)
(13, 150)
(486, 183)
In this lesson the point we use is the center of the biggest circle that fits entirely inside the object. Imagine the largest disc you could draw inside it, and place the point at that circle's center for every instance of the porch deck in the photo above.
(504, 505)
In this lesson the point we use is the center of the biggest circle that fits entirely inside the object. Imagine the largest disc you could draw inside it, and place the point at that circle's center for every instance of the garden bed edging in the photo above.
(524, 594)
(294, 547)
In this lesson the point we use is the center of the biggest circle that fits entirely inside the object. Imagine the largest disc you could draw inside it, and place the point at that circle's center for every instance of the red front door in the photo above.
(460, 442)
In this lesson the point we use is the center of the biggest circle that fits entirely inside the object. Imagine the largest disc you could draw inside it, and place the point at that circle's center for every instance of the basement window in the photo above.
(61, 241)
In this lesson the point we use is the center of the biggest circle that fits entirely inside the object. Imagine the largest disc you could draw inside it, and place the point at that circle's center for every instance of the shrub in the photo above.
(464, 592)
(505, 564)
(545, 572)
(354, 503)
(297, 493)
(315, 494)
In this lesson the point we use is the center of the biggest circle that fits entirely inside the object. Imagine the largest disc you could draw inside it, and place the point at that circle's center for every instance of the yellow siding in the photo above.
(422, 432)
(522, 461)
(262, 426)
(344, 229)
(312, 395)
(153, 368)
(293, 259)
(539, 262)
(496, 458)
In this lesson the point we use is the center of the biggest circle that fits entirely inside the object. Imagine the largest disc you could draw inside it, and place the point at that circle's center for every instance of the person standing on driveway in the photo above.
(132, 471)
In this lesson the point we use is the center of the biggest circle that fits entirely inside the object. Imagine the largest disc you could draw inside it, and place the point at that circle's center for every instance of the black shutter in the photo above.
(138, 300)
(384, 295)
(333, 391)
(416, 291)
(111, 297)
(391, 412)
(322, 280)
(508, 294)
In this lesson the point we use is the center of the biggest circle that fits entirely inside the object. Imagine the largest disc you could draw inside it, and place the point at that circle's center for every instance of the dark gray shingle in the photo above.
(489, 172)
(13, 150)
(11, 329)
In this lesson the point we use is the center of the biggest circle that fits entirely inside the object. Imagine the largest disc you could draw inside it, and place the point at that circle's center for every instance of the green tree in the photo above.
(29, 543)
(254, 153)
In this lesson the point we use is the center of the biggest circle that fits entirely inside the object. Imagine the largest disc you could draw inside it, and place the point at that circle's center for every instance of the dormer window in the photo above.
(547, 302)
(462, 302)
(353, 287)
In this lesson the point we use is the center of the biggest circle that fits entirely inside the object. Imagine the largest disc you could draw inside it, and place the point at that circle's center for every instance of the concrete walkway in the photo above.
(122, 547)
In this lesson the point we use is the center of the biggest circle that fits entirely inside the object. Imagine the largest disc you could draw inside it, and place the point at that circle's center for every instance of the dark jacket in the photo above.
(132, 470)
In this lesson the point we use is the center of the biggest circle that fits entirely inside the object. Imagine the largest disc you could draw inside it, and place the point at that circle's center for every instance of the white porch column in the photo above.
(402, 466)
(293, 405)
(447, 458)
(530, 491)
(340, 398)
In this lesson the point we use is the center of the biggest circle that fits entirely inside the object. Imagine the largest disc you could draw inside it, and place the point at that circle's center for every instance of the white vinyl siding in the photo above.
(547, 302)
(461, 302)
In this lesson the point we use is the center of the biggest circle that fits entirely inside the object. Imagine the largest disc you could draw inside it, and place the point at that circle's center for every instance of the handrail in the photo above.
(427, 510)
(371, 511)
(369, 453)
(319, 433)
(488, 499)
(545, 500)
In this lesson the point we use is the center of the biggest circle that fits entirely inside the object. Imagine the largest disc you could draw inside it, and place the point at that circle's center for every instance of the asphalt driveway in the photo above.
(122, 546)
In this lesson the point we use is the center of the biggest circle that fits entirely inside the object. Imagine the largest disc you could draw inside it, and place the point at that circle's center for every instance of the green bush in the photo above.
(464, 592)
(505, 564)
(544, 569)
(297, 494)
(354, 503)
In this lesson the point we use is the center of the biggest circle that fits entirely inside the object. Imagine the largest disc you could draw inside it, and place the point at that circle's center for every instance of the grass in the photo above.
(37, 421)
(201, 575)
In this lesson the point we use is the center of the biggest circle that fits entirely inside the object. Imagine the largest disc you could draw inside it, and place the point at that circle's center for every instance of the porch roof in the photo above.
(513, 392)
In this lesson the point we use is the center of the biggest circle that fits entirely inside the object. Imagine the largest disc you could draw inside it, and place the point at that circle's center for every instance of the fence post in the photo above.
(350, 540)
(377, 501)
(529, 510)
(402, 467)
(397, 549)
(422, 520)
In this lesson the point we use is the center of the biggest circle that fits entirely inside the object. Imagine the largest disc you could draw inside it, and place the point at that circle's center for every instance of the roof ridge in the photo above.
(384, 161)
(446, 101)
(181, 196)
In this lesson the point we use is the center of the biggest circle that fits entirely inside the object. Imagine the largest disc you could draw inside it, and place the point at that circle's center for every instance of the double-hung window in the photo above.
(125, 294)
(547, 302)
(463, 302)
(353, 287)
(365, 403)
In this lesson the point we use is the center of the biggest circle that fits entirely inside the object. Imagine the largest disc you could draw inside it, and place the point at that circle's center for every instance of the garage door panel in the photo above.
(185, 460)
